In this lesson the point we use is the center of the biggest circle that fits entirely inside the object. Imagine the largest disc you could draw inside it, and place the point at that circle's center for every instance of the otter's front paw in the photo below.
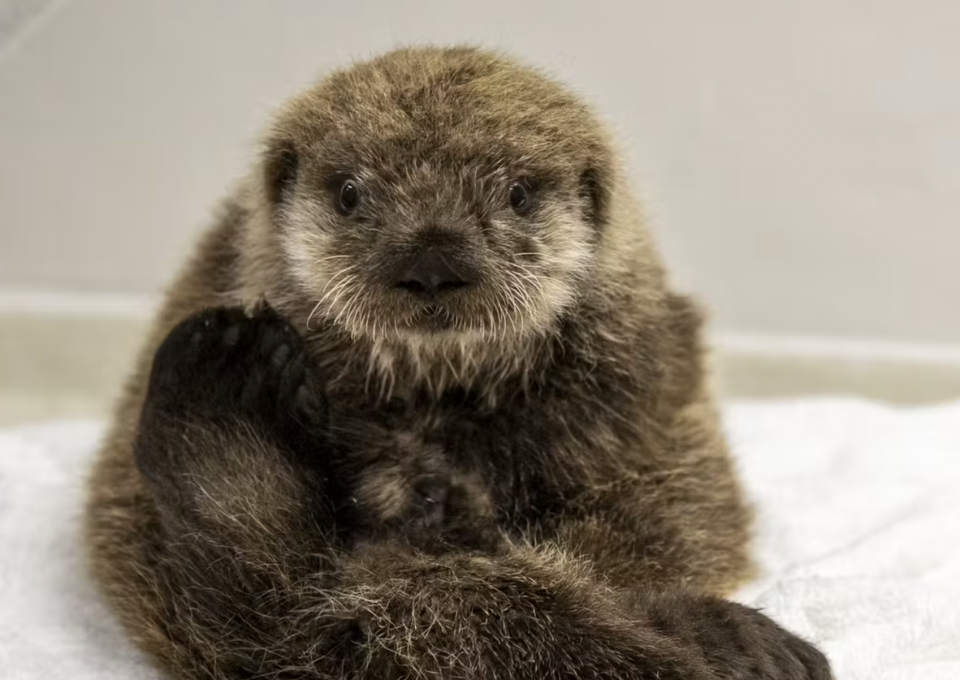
(392, 502)
(222, 366)
(222, 361)
(436, 510)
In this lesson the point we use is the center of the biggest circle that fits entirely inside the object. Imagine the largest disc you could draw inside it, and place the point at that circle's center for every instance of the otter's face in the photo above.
(435, 199)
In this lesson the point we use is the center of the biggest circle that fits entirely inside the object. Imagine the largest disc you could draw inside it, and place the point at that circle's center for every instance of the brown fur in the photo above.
(541, 489)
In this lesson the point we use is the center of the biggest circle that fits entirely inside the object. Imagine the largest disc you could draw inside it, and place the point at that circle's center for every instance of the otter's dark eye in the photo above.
(349, 197)
(520, 199)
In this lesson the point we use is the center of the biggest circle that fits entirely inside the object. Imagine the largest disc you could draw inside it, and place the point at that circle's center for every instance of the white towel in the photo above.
(858, 538)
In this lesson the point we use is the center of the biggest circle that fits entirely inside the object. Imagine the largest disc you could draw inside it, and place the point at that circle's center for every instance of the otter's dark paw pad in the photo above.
(222, 362)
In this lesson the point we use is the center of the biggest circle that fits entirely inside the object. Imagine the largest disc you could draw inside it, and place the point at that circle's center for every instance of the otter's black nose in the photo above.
(431, 274)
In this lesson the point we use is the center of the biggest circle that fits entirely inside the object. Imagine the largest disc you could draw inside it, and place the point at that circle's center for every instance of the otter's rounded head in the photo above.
(438, 192)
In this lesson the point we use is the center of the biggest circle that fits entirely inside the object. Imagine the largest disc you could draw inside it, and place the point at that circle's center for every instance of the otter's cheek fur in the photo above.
(293, 488)
(566, 253)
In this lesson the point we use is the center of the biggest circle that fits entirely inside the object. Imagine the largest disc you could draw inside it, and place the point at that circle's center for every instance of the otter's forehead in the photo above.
(446, 106)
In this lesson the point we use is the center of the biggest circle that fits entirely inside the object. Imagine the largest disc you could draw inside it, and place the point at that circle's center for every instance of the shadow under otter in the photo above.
(423, 405)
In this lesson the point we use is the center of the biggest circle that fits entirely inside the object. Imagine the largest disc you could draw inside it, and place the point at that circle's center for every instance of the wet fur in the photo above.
(299, 484)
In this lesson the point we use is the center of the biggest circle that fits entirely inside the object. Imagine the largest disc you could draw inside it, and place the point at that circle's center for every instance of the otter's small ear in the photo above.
(281, 164)
(595, 196)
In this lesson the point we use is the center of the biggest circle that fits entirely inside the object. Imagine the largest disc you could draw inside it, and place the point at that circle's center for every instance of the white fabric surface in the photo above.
(859, 539)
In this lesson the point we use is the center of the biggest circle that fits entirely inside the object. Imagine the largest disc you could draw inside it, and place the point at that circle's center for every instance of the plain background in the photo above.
(800, 160)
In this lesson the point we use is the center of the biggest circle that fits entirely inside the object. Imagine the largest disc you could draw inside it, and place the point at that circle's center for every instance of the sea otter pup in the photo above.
(423, 405)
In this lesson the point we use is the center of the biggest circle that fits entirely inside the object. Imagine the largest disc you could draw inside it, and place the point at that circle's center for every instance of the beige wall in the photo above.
(801, 159)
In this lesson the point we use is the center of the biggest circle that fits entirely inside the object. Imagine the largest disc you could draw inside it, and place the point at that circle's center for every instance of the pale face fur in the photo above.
(433, 157)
